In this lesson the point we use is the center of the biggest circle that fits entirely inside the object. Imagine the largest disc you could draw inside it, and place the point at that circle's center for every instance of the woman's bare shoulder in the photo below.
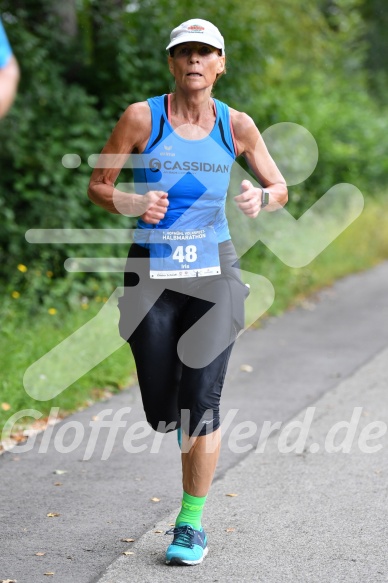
(133, 129)
(244, 129)
(241, 121)
(138, 115)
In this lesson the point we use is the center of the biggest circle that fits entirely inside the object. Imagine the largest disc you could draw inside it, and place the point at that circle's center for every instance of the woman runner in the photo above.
(183, 302)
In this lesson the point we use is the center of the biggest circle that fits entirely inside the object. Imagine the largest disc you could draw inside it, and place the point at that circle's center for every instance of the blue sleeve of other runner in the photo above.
(5, 48)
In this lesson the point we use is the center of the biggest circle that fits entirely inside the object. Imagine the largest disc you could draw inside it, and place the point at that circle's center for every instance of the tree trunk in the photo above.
(66, 13)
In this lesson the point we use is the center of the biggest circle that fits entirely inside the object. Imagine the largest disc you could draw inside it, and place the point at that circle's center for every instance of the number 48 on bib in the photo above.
(198, 258)
(186, 254)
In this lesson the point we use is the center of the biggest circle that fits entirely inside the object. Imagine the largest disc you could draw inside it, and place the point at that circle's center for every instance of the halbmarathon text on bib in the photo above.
(179, 254)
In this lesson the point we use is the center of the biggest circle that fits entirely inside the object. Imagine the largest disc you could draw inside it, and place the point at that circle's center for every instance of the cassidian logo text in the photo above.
(186, 166)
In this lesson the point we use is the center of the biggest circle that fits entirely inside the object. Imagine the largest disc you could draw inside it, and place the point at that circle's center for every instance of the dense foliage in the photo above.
(319, 64)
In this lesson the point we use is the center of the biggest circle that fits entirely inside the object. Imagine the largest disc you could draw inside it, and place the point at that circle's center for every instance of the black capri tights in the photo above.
(181, 343)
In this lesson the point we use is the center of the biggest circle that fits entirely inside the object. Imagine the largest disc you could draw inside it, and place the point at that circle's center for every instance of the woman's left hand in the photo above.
(249, 201)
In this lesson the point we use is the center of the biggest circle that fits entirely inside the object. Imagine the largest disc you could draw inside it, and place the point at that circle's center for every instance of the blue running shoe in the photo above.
(189, 546)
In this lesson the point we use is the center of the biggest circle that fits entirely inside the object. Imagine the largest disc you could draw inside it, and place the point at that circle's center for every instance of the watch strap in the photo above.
(264, 197)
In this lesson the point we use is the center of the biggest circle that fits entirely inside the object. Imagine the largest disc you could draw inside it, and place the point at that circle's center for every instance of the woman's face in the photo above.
(195, 65)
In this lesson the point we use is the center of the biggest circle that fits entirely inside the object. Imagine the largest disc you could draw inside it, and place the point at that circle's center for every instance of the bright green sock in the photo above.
(191, 511)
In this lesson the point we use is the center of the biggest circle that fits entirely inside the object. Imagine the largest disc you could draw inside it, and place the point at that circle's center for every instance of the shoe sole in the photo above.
(181, 562)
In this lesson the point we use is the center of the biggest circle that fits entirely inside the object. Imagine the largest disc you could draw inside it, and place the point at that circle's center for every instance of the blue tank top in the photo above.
(5, 49)
(195, 173)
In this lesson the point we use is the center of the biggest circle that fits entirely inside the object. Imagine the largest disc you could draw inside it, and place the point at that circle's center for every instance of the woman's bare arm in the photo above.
(9, 79)
(251, 145)
(131, 134)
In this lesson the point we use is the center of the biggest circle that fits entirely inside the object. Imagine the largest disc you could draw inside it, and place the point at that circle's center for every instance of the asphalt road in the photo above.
(308, 515)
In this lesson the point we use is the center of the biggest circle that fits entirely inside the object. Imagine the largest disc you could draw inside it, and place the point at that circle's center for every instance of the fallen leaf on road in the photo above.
(8, 581)
(49, 573)
(57, 483)
(155, 499)
(158, 531)
(231, 495)
(246, 368)
(18, 437)
(127, 540)
(95, 418)
(306, 305)
(230, 529)
(128, 553)
(40, 554)
(52, 514)
(60, 472)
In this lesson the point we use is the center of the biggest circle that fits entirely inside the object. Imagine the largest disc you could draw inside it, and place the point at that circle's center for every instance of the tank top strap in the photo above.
(226, 136)
(159, 129)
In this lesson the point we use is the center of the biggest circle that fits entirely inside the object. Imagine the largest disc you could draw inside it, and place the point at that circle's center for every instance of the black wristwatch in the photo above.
(264, 197)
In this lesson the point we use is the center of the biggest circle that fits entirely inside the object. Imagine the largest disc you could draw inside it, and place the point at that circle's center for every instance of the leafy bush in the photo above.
(82, 63)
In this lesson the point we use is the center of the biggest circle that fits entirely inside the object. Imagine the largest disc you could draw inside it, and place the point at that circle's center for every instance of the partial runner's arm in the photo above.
(9, 74)
(250, 144)
(131, 134)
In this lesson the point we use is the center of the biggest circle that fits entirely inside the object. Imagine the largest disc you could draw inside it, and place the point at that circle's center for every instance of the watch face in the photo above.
(265, 198)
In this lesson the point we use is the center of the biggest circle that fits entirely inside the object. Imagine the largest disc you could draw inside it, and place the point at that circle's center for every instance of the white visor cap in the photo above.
(197, 30)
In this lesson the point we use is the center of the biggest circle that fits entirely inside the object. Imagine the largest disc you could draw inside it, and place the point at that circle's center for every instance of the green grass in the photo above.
(25, 339)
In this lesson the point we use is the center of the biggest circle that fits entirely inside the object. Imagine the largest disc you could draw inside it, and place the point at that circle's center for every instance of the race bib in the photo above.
(178, 254)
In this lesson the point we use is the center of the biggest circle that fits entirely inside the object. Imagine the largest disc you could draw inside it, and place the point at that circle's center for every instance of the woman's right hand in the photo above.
(154, 203)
